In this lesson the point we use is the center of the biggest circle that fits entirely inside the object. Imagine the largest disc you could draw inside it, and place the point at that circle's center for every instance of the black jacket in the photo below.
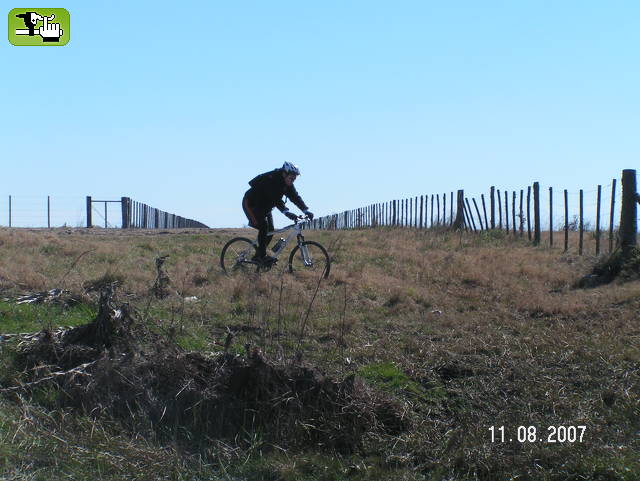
(267, 190)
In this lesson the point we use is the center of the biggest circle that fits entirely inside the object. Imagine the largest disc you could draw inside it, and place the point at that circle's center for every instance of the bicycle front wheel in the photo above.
(312, 258)
(236, 256)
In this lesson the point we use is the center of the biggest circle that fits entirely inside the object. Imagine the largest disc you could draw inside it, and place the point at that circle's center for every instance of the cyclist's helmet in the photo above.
(290, 168)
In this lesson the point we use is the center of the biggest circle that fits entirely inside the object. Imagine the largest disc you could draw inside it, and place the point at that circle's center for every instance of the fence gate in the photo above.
(90, 203)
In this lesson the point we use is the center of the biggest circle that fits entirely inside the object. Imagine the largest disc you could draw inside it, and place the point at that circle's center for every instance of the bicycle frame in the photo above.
(295, 229)
(287, 234)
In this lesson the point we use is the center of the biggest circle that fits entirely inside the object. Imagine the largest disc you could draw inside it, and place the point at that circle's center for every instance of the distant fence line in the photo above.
(69, 211)
(430, 211)
(41, 211)
(142, 216)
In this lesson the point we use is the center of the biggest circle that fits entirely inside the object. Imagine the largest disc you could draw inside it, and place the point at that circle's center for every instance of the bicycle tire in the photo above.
(320, 256)
(233, 263)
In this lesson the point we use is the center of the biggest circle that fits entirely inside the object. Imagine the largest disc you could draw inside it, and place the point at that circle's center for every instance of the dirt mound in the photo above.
(112, 368)
(622, 265)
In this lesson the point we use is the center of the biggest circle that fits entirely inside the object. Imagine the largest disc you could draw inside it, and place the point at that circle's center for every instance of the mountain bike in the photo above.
(306, 257)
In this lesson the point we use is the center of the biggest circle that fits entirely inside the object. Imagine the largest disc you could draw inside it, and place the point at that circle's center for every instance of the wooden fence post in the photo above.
(470, 214)
(431, 210)
(484, 209)
(125, 212)
(475, 204)
(459, 222)
(506, 209)
(426, 211)
(49, 211)
(598, 220)
(613, 201)
(406, 215)
(444, 209)
(451, 209)
(513, 211)
(89, 221)
(529, 212)
(536, 213)
(521, 214)
(412, 211)
(406, 212)
(499, 209)
(566, 220)
(628, 216)
(493, 208)
(581, 222)
(550, 216)
(394, 218)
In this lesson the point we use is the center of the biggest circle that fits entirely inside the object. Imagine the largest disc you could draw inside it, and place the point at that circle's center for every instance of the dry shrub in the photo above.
(114, 368)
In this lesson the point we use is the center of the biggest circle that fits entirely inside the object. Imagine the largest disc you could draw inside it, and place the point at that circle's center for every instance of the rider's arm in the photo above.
(292, 194)
(281, 207)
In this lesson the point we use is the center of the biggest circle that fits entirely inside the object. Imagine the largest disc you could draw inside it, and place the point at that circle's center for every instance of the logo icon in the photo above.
(39, 26)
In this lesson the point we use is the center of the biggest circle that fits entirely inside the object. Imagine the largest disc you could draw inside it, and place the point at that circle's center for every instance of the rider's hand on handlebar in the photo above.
(309, 214)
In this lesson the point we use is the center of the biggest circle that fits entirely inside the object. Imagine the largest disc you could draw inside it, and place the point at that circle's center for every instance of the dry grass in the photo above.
(489, 330)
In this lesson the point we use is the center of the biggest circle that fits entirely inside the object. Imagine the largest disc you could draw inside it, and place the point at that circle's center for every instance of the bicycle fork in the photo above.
(306, 257)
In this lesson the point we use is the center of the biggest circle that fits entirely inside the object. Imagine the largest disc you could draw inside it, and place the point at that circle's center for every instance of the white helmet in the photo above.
(290, 168)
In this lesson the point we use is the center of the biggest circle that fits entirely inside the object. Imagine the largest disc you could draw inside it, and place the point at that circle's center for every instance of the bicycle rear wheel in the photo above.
(311, 259)
(236, 256)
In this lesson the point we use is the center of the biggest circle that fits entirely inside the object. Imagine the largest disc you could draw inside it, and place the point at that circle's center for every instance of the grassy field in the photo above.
(426, 355)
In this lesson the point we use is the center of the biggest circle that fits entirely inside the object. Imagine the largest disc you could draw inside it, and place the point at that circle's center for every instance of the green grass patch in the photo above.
(388, 377)
(15, 318)
(192, 341)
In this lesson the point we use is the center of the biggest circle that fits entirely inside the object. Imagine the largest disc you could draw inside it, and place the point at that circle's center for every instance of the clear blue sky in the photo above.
(179, 104)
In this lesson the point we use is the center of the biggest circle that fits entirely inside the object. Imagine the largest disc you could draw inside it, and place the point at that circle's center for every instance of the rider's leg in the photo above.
(263, 228)
(265, 225)
(268, 238)
(262, 220)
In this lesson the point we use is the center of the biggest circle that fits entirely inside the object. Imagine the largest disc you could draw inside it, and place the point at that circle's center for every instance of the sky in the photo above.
(179, 104)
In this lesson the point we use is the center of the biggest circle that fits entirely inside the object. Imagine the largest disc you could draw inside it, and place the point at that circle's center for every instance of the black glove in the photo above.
(291, 215)
(309, 214)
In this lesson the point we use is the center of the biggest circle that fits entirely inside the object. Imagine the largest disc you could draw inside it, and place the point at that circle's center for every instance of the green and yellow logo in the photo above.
(39, 26)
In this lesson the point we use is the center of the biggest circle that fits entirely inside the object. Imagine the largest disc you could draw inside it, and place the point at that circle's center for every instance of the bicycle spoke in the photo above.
(236, 256)
(310, 261)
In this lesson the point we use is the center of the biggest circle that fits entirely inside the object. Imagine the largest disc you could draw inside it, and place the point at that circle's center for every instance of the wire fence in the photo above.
(75, 211)
(526, 211)
(42, 211)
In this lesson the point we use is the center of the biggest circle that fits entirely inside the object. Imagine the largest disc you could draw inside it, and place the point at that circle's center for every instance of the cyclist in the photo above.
(266, 193)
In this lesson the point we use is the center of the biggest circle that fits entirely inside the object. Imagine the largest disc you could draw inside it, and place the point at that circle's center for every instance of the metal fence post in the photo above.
(89, 220)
